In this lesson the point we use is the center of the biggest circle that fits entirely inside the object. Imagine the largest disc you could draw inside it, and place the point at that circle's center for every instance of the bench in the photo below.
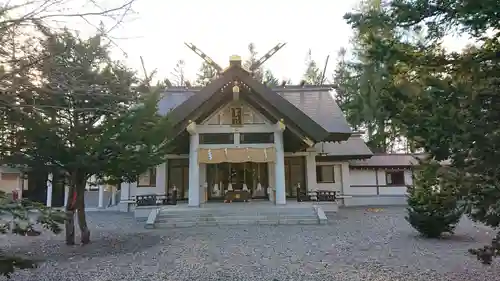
(156, 199)
(319, 196)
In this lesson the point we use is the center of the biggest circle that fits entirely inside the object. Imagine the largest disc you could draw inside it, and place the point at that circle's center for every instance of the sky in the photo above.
(158, 29)
(223, 28)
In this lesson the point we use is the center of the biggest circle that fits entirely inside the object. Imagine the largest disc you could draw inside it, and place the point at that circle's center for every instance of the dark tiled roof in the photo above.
(171, 99)
(387, 160)
(7, 169)
(320, 106)
(354, 146)
(316, 102)
(197, 106)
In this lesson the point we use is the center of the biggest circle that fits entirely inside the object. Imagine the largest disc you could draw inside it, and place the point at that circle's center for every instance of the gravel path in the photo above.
(355, 245)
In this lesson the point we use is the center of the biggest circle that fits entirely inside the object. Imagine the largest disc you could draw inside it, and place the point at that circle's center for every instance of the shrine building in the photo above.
(237, 138)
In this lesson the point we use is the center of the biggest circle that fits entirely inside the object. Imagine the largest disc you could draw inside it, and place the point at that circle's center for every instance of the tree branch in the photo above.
(42, 17)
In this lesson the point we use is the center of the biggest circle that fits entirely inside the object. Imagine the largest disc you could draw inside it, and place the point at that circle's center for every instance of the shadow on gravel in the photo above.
(448, 238)
(100, 246)
(332, 216)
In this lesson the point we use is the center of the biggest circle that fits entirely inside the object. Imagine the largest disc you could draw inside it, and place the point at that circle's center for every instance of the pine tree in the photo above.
(258, 73)
(23, 24)
(363, 80)
(286, 81)
(265, 76)
(178, 74)
(313, 75)
(346, 87)
(205, 74)
(269, 79)
(446, 102)
(433, 207)
(89, 116)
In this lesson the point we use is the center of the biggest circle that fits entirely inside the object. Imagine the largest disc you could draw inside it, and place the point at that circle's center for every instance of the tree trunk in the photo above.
(58, 182)
(82, 220)
(383, 136)
(75, 202)
(69, 224)
(369, 131)
(37, 185)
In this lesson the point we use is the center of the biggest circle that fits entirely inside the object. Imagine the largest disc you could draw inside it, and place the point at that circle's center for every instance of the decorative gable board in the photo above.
(224, 115)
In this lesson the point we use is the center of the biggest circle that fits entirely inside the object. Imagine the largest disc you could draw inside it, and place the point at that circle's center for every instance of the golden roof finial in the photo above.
(234, 58)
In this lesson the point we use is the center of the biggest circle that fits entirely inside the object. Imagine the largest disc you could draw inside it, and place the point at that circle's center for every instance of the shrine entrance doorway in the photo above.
(242, 180)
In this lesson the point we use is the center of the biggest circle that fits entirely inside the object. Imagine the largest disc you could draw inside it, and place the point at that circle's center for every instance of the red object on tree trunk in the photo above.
(73, 200)
(15, 195)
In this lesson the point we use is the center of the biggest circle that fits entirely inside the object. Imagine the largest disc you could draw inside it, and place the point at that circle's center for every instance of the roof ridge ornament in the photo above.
(205, 57)
(266, 56)
(281, 125)
(235, 60)
(191, 127)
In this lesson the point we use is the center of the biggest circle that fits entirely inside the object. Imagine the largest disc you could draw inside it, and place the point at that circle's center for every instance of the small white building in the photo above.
(380, 180)
(11, 179)
(237, 137)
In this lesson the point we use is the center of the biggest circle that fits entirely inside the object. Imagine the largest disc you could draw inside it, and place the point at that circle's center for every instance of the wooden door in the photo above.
(178, 176)
(294, 175)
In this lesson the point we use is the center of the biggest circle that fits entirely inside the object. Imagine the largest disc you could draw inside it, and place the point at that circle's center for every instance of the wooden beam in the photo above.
(205, 57)
(267, 56)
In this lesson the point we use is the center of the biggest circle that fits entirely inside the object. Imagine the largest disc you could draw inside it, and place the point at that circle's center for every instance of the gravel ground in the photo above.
(356, 245)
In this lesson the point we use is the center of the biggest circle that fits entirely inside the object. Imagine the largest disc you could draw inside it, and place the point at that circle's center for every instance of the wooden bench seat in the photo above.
(320, 195)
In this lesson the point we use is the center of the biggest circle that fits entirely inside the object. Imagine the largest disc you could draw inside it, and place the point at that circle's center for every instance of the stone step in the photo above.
(218, 218)
(229, 213)
(161, 218)
(260, 210)
(233, 215)
(169, 224)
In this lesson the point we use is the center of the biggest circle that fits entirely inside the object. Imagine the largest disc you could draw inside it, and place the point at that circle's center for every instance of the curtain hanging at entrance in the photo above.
(236, 155)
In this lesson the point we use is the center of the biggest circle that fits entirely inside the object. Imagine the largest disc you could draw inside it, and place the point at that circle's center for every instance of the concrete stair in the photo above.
(240, 215)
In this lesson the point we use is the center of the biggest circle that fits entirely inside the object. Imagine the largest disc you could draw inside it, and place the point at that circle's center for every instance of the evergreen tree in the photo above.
(313, 74)
(258, 74)
(265, 76)
(269, 79)
(449, 103)
(89, 116)
(346, 89)
(433, 207)
(205, 74)
(362, 80)
(286, 81)
(22, 25)
(178, 74)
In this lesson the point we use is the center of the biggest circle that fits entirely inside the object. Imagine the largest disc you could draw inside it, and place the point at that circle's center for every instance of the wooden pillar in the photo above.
(113, 195)
(124, 196)
(311, 184)
(66, 191)
(194, 167)
(101, 196)
(279, 174)
(49, 191)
